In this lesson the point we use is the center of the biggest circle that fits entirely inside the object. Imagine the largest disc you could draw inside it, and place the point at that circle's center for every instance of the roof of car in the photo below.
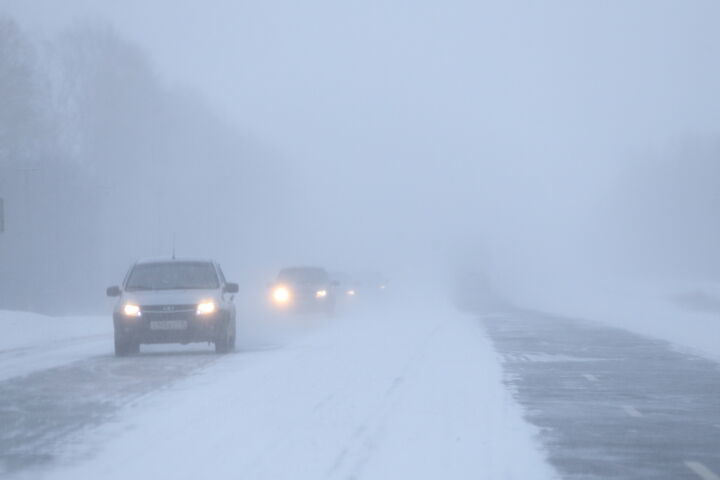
(170, 259)
(301, 268)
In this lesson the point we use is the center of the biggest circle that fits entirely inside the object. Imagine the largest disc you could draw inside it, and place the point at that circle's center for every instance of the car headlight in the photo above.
(206, 308)
(351, 293)
(131, 310)
(321, 294)
(281, 295)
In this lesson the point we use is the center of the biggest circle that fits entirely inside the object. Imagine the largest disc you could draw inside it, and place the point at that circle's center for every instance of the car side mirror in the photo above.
(231, 287)
(113, 291)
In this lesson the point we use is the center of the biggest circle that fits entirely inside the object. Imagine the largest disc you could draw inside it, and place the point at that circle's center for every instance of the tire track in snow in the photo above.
(39, 411)
(364, 440)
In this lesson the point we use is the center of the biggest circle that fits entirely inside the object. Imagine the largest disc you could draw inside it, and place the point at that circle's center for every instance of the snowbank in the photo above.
(24, 330)
(685, 314)
(31, 342)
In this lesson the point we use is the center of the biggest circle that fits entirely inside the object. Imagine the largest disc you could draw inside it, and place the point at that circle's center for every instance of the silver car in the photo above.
(174, 301)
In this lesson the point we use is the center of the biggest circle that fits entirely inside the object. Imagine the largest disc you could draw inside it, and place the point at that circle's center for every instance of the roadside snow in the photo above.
(385, 395)
(684, 314)
(31, 342)
(670, 312)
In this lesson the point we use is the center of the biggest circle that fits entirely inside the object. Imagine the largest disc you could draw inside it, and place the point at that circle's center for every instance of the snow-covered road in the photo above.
(392, 393)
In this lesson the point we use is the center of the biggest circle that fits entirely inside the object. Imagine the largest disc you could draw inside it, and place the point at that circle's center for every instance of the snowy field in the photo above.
(392, 393)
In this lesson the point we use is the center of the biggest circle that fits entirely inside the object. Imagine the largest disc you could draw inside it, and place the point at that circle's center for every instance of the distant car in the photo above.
(347, 286)
(174, 301)
(303, 290)
(367, 286)
(372, 284)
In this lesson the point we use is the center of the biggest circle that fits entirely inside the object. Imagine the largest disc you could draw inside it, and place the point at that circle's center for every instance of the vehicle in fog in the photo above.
(367, 285)
(304, 290)
(347, 285)
(174, 301)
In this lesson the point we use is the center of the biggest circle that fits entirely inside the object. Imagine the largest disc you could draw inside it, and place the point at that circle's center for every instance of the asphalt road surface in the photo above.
(611, 404)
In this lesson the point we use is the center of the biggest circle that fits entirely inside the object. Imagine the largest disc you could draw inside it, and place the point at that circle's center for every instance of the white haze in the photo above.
(540, 146)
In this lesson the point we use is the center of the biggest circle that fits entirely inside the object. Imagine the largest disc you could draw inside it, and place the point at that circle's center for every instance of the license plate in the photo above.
(168, 325)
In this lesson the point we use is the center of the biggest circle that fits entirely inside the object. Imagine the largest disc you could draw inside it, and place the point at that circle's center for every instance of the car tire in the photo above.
(222, 345)
(223, 342)
(123, 346)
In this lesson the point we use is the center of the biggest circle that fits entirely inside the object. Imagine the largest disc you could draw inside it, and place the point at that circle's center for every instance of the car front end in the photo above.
(174, 301)
(187, 318)
(301, 298)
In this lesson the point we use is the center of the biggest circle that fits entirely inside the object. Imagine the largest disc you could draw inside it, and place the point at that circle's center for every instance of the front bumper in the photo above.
(306, 304)
(165, 329)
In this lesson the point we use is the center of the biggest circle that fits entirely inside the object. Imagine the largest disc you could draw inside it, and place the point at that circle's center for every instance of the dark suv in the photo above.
(304, 290)
(174, 301)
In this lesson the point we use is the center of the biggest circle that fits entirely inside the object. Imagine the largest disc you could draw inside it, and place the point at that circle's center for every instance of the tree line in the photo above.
(101, 163)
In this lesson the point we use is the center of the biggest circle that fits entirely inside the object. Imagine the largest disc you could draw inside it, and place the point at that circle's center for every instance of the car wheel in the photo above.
(233, 336)
(122, 346)
(222, 343)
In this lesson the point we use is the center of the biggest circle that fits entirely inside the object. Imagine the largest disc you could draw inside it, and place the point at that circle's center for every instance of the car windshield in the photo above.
(172, 276)
(303, 275)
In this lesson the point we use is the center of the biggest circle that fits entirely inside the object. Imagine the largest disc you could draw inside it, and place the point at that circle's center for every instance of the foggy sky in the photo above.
(436, 132)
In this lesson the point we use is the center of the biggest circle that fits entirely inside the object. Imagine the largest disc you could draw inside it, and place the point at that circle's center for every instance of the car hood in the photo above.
(169, 297)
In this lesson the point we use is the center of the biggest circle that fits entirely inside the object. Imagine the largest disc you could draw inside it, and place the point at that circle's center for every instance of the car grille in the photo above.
(305, 294)
(169, 312)
(168, 308)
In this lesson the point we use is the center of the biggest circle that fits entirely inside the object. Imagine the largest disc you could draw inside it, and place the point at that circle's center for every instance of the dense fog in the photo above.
(529, 150)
